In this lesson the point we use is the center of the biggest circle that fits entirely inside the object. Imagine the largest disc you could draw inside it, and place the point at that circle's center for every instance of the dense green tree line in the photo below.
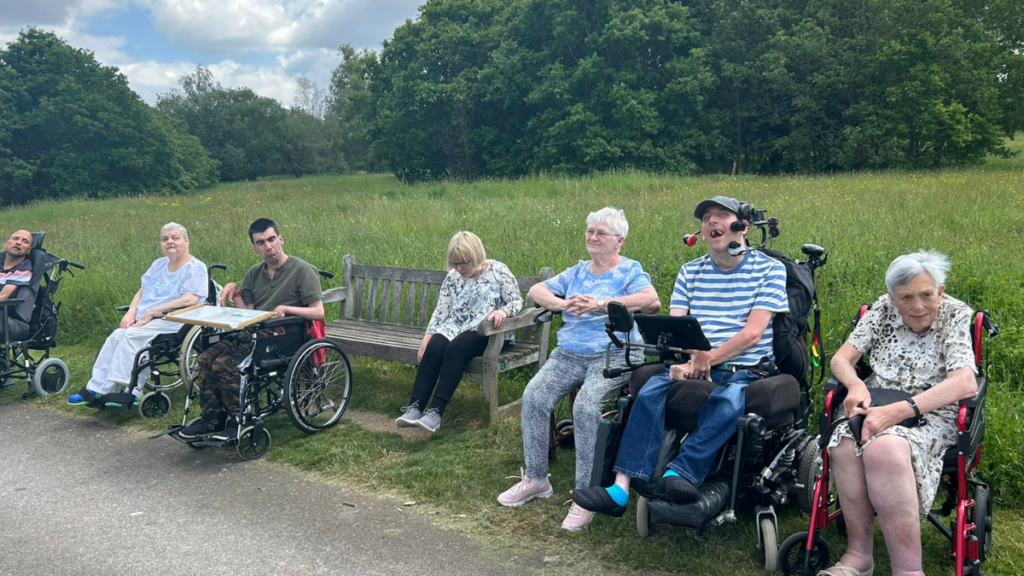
(476, 88)
(71, 127)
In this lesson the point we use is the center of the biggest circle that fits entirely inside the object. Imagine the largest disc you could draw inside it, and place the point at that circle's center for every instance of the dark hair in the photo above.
(260, 226)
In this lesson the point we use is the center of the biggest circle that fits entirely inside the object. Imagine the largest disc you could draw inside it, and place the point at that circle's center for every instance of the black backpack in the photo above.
(791, 329)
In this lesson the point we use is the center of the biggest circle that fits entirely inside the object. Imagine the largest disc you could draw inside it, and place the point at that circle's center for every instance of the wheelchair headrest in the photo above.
(37, 240)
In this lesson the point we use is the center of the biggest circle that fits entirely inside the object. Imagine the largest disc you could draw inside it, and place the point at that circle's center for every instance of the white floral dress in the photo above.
(463, 303)
(903, 360)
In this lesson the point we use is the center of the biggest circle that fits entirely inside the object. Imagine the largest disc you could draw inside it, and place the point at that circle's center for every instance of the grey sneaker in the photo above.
(410, 416)
(430, 421)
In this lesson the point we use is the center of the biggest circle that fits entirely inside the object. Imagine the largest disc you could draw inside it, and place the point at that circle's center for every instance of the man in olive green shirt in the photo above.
(284, 284)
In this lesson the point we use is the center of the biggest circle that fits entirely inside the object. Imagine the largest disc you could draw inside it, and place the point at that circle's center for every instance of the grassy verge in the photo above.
(864, 220)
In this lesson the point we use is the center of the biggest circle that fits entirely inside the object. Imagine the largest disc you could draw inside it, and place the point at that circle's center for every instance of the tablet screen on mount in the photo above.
(680, 331)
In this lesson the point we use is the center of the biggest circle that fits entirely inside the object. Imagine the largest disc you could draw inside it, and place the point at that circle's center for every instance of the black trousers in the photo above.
(442, 367)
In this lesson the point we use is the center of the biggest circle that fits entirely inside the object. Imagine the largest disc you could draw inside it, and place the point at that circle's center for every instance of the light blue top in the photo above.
(722, 301)
(585, 334)
(160, 286)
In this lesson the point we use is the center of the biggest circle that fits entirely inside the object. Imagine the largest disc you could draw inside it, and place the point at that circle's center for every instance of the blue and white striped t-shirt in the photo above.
(722, 301)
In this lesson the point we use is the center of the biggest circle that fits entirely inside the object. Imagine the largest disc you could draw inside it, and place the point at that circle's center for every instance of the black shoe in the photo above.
(597, 499)
(210, 423)
(679, 490)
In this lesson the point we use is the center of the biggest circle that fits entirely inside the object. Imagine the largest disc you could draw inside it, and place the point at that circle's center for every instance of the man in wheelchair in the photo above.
(16, 272)
(284, 284)
(734, 294)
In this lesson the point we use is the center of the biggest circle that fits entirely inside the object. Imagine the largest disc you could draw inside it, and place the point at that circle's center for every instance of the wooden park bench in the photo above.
(385, 312)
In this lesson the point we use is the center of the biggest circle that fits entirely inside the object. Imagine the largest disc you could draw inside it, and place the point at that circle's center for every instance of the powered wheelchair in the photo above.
(291, 366)
(168, 360)
(967, 498)
(759, 465)
(28, 339)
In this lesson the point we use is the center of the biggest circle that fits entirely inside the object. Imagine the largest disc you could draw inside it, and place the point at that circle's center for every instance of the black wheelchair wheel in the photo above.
(250, 448)
(810, 462)
(981, 517)
(154, 405)
(191, 347)
(791, 555)
(568, 442)
(318, 386)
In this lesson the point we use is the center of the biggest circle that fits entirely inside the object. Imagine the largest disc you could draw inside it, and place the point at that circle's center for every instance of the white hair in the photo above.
(614, 218)
(174, 226)
(909, 266)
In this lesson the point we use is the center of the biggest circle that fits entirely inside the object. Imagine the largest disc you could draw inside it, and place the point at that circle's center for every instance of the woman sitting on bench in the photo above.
(175, 281)
(476, 289)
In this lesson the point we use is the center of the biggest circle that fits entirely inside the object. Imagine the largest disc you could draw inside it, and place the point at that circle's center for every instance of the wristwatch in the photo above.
(600, 303)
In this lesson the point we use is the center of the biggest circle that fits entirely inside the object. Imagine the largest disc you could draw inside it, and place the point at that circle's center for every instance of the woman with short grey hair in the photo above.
(919, 340)
(582, 294)
(175, 281)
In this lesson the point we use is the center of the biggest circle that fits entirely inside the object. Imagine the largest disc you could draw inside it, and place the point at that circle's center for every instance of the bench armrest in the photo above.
(522, 320)
(335, 295)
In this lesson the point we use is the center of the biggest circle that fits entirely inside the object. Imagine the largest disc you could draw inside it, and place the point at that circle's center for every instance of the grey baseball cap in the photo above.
(730, 204)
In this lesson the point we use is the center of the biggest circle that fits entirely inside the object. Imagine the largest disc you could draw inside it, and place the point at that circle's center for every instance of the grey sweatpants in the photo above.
(563, 372)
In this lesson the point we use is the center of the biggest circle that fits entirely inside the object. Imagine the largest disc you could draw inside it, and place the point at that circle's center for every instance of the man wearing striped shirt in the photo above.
(734, 296)
(15, 272)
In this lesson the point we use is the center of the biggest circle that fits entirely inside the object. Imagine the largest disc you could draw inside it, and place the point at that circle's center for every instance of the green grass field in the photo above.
(864, 220)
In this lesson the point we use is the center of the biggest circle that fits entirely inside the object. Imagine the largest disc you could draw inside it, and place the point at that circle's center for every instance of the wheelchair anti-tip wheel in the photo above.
(253, 447)
(154, 405)
(191, 347)
(50, 377)
(643, 517)
(318, 386)
(791, 555)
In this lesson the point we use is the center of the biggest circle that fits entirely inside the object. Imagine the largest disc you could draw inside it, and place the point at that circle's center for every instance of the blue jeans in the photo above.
(716, 423)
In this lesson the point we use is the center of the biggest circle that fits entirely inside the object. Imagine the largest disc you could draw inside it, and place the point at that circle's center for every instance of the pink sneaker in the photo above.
(577, 518)
(524, 491)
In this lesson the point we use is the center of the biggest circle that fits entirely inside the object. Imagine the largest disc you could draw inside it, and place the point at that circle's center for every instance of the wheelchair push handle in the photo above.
(75, 265)
(326, 275)
(213, 267)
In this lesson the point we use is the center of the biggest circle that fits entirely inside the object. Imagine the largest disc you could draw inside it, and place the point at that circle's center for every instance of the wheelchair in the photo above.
(967, 498)
(760, 464)
(169, 359)
(290, 369)
(26, 353)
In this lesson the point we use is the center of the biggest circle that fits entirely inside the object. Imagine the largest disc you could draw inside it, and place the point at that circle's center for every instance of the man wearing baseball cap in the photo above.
(734, 296)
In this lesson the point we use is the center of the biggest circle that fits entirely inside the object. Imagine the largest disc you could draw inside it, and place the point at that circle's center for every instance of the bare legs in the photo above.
(891, 491)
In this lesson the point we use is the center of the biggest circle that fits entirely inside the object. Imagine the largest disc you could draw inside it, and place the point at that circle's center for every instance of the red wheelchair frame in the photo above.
(806, 553)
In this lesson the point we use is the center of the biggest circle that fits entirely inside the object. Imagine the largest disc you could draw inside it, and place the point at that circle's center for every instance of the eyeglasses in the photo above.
(599, 234)
(461, 265)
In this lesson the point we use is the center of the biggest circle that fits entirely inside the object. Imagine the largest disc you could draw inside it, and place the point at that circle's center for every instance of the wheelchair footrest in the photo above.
(170, 430)
(214, 443)
(714, 496)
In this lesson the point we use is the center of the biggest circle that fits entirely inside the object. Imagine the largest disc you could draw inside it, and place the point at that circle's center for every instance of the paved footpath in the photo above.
(81, 498)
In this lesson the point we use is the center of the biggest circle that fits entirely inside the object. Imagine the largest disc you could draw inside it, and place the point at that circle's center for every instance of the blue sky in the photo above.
(262, 44)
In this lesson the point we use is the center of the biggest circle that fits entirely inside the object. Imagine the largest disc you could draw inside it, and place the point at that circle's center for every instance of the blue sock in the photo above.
(619, 495)
(669, 473)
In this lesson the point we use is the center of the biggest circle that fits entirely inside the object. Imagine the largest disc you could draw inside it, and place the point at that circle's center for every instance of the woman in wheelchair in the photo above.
(475, 290)
(174, 281)
(920, 345)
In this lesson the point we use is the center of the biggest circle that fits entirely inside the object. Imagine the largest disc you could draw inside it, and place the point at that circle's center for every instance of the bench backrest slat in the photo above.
(375, 293)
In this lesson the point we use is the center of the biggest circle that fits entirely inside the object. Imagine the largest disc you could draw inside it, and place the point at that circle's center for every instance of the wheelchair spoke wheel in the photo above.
(50, 377)
(251, 449)
(792, 553)
(190, 349)
(810, 462)
(981, 517)
(154, 405)
(318, 386)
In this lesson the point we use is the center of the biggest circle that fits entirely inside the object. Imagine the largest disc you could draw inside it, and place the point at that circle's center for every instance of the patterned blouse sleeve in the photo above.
(444, 305)
(957, 340)
(863, 335)
(511, 299)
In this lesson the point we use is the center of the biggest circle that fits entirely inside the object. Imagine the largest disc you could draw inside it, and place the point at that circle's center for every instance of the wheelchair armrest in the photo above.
(122, 308)
(833, 383)
(524, 319)
(11, 302)
(284, 321)
(977, 399)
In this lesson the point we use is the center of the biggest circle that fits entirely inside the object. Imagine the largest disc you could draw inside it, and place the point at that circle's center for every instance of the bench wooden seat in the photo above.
(385, 311)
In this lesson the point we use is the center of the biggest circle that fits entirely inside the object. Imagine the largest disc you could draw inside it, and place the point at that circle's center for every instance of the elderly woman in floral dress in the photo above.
(475, 290)
(920, 343)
